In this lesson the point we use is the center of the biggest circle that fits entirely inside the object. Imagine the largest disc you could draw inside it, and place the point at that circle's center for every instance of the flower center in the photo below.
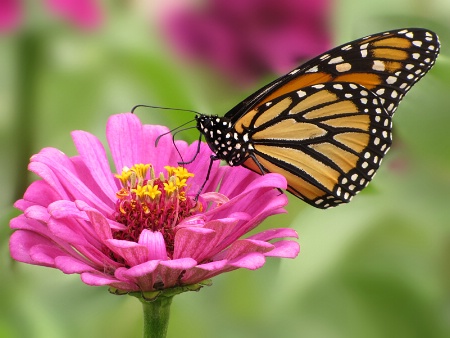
(154, 203)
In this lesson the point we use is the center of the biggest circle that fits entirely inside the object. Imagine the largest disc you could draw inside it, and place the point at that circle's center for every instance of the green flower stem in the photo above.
(156, 316)
(28, 65)
(156, 305)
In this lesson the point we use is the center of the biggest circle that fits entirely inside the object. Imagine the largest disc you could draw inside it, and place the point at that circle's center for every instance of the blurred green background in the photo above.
(378, 267)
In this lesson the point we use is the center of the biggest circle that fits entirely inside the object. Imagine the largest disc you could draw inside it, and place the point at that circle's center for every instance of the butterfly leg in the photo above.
(211, 161)
(195, 155)
(262, 170)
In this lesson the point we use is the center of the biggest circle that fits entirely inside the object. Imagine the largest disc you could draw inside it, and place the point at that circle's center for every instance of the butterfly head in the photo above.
(223, 140)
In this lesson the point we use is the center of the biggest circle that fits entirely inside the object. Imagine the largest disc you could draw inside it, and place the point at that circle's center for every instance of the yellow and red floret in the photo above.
(156, 203)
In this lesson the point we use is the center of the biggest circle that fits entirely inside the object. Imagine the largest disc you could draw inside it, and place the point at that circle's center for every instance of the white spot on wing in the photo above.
(343, 67)
(391, 79)
(337, 59)
(312, 70)
(378, 66)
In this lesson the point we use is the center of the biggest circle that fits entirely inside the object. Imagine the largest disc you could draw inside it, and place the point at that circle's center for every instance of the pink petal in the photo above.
(200, 243)
(142, 274)
(43, 254)
(66, 174)
(165, 146)
(244, 246)
(100, 279)
(40, 193)
(270, 234)
(24, 223)
(193, 242)
(124, 134)
(214, 197)
(49, 177)
(154, 242)
(99, 222)
(153, 273)
(205, 271)
(170, 271)
(284, 249)
(66, 209)
(131, 252)
(251, 261)
(71, 265)
(37, 213)
(94, 156)
(68, 231)
(21, 244)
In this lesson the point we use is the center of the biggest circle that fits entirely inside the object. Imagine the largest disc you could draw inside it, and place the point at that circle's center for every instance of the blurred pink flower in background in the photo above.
(247, 39)
(82, 13)
(85, 14)
(10, 15)
(142, 229)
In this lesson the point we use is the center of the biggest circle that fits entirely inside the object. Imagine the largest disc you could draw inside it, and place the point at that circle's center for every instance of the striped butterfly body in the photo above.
(326, 125)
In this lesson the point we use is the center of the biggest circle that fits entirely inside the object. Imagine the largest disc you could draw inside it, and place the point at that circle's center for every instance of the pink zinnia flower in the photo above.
(247, 39)
(142, 229)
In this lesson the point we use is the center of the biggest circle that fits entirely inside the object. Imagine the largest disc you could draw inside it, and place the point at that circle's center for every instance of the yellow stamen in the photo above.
(180, 182)
(122, 193)
(170, 187)
(124, 176)
(141, 170)
(140, 191)
(182, 172)
(152, 173)
(170, 170)
(152, 191)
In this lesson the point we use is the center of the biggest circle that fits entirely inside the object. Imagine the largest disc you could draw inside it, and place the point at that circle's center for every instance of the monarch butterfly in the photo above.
(326, 125)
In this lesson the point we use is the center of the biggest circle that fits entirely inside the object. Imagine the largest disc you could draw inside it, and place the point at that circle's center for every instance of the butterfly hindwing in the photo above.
(328, 140)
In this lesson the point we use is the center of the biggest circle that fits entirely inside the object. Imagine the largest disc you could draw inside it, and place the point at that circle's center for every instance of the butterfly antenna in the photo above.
(172, 130)
(166, 108)
(176, 131)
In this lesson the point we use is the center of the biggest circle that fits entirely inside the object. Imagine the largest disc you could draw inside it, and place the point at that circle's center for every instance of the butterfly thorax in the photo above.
(222, 138)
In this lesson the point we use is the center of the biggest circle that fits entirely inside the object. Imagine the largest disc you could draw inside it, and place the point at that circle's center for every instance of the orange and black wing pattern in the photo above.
(327, 140)
(387, 64)
(326, 125)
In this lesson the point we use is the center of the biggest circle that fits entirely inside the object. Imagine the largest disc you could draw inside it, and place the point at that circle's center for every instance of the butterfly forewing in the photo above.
(386, 63)
(326, 125)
